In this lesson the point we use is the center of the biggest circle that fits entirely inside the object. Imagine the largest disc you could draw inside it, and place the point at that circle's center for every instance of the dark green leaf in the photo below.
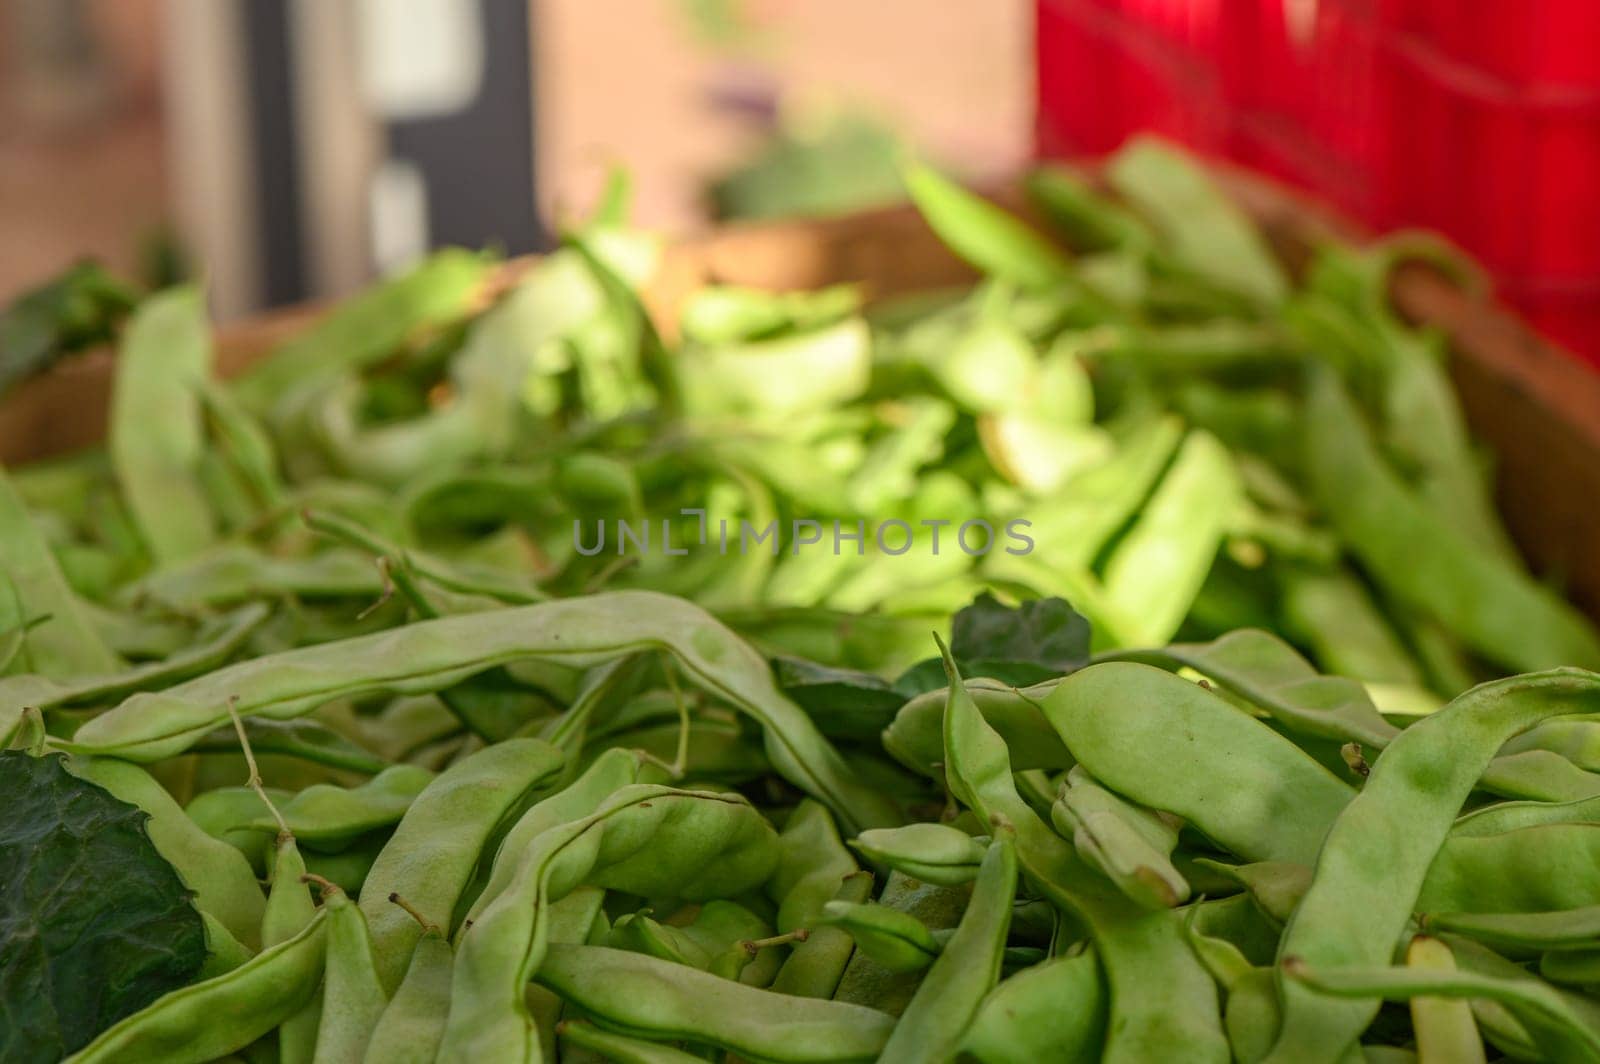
(843, 702)
(81, 307)
(94, 924)
(1032, 642)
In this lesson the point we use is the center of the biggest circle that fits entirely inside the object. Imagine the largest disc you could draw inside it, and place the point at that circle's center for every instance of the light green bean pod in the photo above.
(812, 862)
(1163, 1003)
(933, 853)
(640, 995)
(1161, 740)
(1053, 1011)
(934, 1024)
(646, 840)
(815, 966)
(353, 998)
(619, 1047)
(429, 860)
(896, 940)
(289, 909)
(1397, 823)
(411, 1027)
(434, 654)
(156, 435)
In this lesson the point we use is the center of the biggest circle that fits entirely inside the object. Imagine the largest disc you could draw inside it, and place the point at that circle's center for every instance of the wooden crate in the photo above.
(1536, 406)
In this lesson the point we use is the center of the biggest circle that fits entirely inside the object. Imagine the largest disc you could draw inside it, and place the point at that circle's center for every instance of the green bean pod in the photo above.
(647, 840)
(1397, 823)
(1491, 605)
(812, 862)
(1163, 1004)
(353, 998)
(64, 644)
(896, 940)
(289, 909)
(1053, 1011)
(814, 967)
(642, 996)
(1560, 1034)
(619, 1047)
(430, 858)
(412, 1025)
(933, 853)
(936, 1021)
(1517, 934)
(156, 435)
(431, 655)
(1161, 740)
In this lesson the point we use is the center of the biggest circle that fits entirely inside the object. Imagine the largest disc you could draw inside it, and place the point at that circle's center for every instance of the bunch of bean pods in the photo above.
(1309, 768)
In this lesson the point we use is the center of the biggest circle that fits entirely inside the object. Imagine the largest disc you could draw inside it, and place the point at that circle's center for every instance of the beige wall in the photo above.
(624, 80)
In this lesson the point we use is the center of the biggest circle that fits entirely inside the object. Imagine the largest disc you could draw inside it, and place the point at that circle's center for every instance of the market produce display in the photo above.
(1118, 659)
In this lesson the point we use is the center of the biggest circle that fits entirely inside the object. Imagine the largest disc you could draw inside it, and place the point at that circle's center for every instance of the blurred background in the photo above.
(291, 148)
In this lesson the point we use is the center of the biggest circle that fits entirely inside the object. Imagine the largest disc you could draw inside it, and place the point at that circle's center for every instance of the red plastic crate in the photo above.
(1481, 120)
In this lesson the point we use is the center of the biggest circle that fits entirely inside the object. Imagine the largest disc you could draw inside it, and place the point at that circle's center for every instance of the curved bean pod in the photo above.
(1397, 823)
(933, 1025)
(1163, 1005)
(1052, 1011)
(327, 816)
(648, 840)
(1560, 1034)
(812, 862)
(933, 853)
(639, 995)
(1162, 740)
(430, 858)
(411, 1027)
(434, 654)
(896, 940)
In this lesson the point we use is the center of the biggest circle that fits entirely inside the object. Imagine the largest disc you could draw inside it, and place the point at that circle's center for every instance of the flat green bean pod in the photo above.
(430, 858)
(1560, 1034)
(815, 966)
(327, 816)
(1397, 823)
(934, 1024)
(897, 940)
(934, 853)
(642, 996)
(1053, 1011)
(1161, 740)
(647, 840)
(431, 655)
(1514, 933)
(1163, 1004)
(812, 862)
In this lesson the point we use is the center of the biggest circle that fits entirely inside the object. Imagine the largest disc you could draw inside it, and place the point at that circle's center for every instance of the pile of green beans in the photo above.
(1309, 770)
